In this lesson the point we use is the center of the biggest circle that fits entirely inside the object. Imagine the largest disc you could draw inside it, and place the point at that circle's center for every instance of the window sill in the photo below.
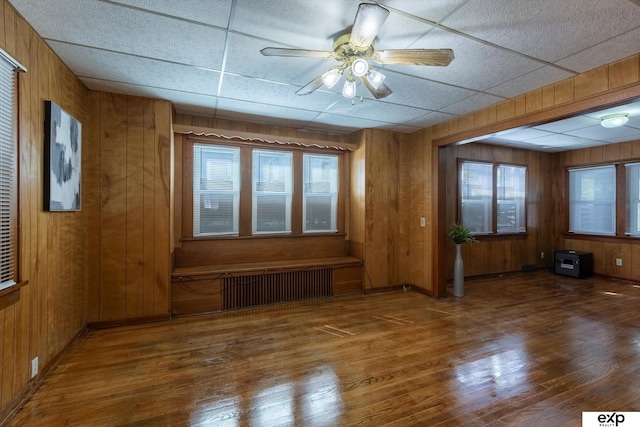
(501, 236)
(599, 237)
(11, 295)
(261, 236)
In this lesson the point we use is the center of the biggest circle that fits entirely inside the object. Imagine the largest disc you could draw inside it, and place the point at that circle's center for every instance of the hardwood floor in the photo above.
(531, 349)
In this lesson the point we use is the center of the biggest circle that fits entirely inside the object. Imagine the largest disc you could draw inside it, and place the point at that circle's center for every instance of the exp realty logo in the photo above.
(610, 419)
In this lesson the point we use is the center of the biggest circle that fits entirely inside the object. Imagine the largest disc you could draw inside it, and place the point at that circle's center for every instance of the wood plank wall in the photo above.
(129, 244)
(607, 85)
(381, 213)
(605, 249)
(52, 248)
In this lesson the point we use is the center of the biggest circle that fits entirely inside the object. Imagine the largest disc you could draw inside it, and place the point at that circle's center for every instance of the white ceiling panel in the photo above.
(549, 30)
(210, 12)
(204, 55)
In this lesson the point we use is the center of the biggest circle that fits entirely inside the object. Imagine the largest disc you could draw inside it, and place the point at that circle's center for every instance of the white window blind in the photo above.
(320, 205)
(476, 187)
(510, 188)
(8, 175)
(633, 199)
(592, 200)
(272, 191)
(216, 190)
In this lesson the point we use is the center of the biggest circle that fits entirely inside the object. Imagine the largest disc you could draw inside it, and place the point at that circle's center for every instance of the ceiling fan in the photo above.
(355, 49)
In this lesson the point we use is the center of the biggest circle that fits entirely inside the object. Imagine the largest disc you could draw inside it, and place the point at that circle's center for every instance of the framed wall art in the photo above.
(63, 160)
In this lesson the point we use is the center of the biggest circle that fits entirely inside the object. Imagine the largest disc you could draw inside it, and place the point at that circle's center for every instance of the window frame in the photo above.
(9, 233)
(493, 226)
(246, 187)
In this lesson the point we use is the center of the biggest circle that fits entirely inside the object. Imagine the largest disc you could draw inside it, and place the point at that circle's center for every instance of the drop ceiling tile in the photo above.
(430, 119)
(549, 30)
(349, 122)
(119, 68)
(138, 33)
(208, 12)
(569, 124)
(522, 135)
(476, 66)
(529, 81)
(421, 93)
(432, 11)
(603, 134)
(474, 102)
(559, 141)
(377, 110)
(271, 93)
(301, 24)
(259, 113)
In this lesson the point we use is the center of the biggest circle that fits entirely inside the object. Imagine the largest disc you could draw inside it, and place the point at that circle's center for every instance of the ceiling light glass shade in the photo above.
(359, 67)
(375, 78)
(331, 77)
(349, 88)
(614, 120)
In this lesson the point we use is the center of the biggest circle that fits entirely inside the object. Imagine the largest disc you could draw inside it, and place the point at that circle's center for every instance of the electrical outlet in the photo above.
(34, 367)
(423, 222)
(619, 262)
(541, 255)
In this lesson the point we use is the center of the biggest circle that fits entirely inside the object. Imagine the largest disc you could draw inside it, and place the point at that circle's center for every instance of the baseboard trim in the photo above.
(34, 384)
(106, 324)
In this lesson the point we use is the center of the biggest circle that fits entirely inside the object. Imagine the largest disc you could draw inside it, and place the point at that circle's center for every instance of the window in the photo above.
(216, 190)
(510, 198)
(592, 200)
(8, 172)
(633, 199)
(477, 196)
(320, 200)
(481, 197)
(271, 191)
(249, 189)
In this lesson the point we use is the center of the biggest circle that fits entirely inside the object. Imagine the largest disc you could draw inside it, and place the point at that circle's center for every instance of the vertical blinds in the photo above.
(8, 169)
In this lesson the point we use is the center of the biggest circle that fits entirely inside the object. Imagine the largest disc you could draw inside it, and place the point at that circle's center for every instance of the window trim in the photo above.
(12, 272)
(245, 215)
(494, 198)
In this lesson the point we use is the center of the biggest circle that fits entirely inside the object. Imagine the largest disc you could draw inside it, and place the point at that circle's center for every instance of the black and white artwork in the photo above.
(63, 149)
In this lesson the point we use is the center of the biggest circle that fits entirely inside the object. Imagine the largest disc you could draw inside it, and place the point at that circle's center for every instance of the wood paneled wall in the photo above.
(605, 249)
(130, 181)
(381, 213)
(52, 247)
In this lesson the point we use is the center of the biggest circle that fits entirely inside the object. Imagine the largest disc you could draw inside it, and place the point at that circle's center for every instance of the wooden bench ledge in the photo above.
(267, 266)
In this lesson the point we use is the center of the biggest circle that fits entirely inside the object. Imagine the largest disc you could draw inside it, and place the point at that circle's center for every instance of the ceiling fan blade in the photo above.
(367, 23)
(438, 57)
(311, 86)
(382, 92)
(302, 53)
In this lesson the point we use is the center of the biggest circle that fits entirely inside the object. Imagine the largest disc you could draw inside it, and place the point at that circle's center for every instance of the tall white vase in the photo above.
(458, 273)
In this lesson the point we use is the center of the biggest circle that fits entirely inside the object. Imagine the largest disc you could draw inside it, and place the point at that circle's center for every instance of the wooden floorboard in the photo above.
(528, 349)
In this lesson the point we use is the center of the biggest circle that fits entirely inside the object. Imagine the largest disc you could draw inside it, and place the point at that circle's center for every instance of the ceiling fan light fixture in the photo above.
(614, 120)
(375, 78)
(359, 67)
(331, 77)
(349, 88)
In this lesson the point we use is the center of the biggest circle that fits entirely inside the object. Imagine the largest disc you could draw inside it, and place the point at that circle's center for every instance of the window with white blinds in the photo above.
(216, 190)
(592, 200)
(476, 188)
(8, 174)
(272, 191)
(510, 186)
(320, 195)
(633, 199)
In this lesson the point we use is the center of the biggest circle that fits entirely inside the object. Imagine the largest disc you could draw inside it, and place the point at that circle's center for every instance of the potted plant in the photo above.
(460, 235)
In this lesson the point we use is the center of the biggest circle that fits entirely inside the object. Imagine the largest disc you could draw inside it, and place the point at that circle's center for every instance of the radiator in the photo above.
(271, 288)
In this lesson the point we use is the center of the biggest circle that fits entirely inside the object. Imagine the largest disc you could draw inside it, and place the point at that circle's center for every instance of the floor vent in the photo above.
(271, 288)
